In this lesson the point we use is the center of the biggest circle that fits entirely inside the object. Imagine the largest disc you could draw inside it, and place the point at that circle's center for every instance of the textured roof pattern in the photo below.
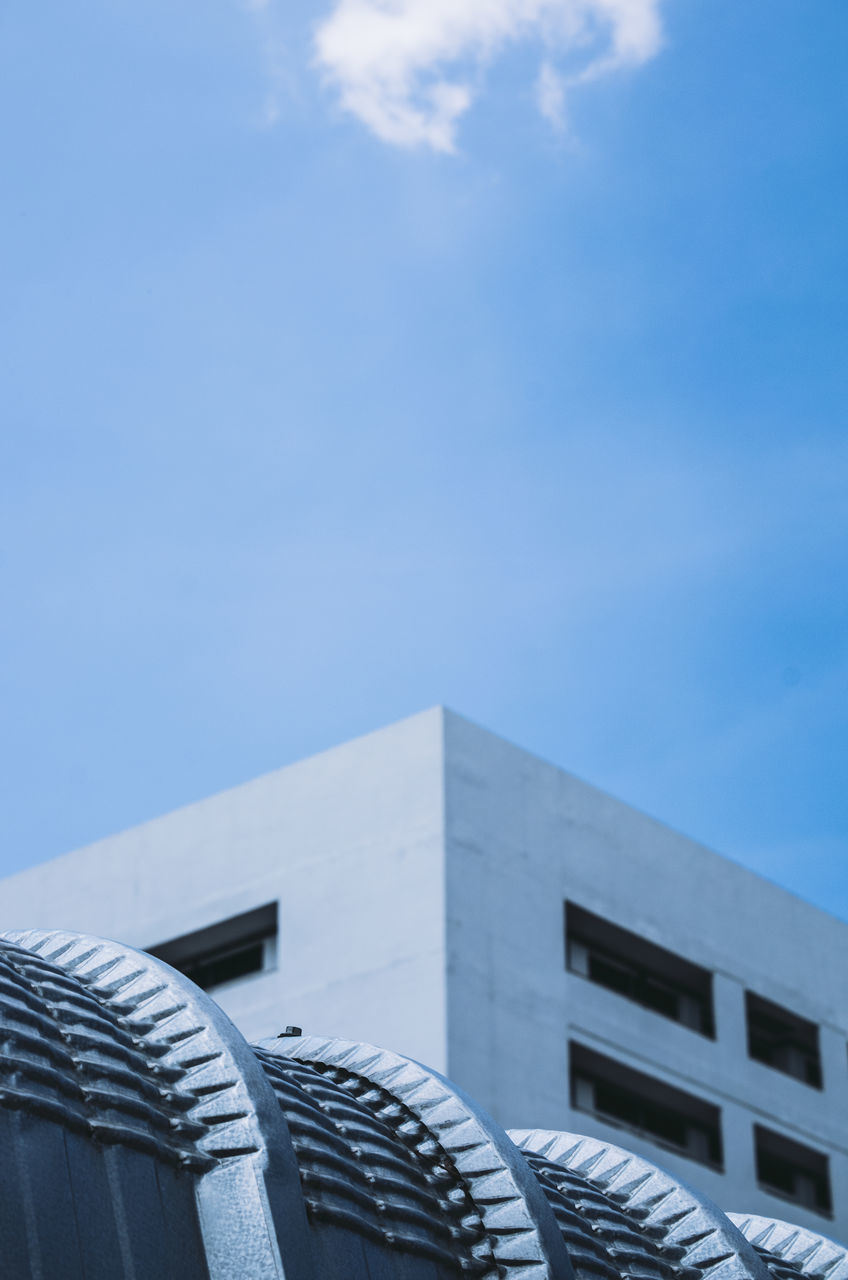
(145, 1139)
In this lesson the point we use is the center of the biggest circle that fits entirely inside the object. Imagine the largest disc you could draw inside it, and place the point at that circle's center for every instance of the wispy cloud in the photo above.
(409, 69)
(550, 95)
(274, 52)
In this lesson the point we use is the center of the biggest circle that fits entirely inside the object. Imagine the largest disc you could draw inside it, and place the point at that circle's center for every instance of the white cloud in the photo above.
(409, 68)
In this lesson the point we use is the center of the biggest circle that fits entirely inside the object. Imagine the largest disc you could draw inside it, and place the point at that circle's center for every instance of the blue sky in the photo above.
(362, 358)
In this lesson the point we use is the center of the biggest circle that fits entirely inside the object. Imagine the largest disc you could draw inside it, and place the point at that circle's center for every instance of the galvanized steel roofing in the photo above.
(143, 1138)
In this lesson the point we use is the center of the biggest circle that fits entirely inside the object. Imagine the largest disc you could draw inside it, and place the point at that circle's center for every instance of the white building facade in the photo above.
(570, 962)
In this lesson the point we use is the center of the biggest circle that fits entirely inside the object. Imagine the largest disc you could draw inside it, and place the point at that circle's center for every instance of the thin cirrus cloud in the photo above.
(409, 69)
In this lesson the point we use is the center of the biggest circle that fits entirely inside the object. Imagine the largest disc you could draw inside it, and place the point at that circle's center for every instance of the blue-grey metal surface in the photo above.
(602, 1240)
(678, 1217)
(371, 1170)
(521, 1239)
(792, 1252)
(143, 1139)
(185, 1071)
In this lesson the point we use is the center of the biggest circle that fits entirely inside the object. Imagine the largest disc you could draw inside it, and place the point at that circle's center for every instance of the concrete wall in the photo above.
(521, 837)
(350, 842)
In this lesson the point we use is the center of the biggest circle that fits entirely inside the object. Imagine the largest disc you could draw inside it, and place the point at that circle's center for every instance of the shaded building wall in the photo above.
(521, 838)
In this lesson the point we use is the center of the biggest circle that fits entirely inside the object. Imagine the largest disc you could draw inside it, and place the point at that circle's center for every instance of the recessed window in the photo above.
(639, 970)
(792, 1171)
(783, 1040)
(619, 1095)
(235, 948)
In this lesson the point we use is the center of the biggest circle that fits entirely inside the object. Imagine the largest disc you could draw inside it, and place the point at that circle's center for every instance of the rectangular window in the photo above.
(639, 970)
(223, 952)
(793, 1172)
(783, 1040)
(619, 1095)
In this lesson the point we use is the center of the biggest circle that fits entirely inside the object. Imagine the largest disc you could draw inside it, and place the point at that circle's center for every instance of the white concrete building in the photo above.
(570, 962)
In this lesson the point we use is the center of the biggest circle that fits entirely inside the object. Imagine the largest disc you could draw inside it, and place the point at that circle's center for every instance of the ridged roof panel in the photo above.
(143, 1139)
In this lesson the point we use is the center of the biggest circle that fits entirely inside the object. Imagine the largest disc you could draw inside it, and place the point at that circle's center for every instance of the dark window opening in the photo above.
(639, 970)
(792, 1171)
(619, 1095)
(783, 1040)
(223, 952)
(225, 966)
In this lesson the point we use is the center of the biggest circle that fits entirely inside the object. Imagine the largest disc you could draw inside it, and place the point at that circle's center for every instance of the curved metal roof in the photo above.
(144, 1138)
